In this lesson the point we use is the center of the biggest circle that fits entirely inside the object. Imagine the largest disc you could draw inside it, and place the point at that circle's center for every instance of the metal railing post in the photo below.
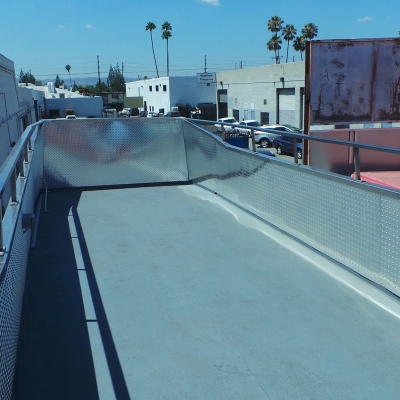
(1, 229)
(253, 141)
(21, 166)
(223, 135)
(357, 163)
(26, 153)
(296, 159)
(13, 182)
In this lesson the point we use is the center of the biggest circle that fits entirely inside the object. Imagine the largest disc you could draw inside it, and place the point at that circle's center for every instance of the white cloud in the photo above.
(213, 2)
(365, 19)
(88, 26)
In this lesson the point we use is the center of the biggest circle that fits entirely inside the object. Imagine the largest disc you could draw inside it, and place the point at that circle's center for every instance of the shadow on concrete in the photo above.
(54, 359)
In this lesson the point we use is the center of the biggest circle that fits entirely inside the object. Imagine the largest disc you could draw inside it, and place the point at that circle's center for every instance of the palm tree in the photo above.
(310, 31)
(68, 67)
(274, 44)
(166, 28)
(275, 25)
(289, 33)
(299, 44)
(150, 27)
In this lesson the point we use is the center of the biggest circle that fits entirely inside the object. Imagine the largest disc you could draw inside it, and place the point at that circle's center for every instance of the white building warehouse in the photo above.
(160, 94)
(269, 94)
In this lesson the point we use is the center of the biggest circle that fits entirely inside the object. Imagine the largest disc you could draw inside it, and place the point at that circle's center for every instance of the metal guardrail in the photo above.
(13, 169)
(356, 146)
(365, 244)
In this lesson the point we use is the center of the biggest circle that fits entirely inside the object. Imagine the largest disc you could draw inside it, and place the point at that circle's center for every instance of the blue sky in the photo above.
(43, 36)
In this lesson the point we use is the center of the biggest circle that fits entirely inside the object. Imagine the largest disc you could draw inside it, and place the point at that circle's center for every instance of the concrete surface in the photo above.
(173, 293)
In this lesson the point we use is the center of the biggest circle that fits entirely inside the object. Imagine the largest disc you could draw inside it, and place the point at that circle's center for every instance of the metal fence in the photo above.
(354, 223)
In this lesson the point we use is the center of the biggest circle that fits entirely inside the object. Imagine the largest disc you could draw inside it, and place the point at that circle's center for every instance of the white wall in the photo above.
(186, 90)
(183, 89)
(84, 106)
(255, 86)
(15, 105)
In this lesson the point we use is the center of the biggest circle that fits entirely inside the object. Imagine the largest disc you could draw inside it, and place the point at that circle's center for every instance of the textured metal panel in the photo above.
(355, 80)
(350, 222)
(13, 283)
(101, 152)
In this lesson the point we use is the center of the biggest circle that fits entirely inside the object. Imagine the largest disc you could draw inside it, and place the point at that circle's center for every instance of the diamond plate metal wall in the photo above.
(13, 281)
(356, 224)
(102, 152)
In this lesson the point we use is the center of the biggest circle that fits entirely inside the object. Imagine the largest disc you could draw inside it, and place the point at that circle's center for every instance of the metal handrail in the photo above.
(18, 156)
(354, 145)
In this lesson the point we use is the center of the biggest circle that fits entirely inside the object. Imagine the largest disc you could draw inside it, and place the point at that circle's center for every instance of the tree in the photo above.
(310, 31)
(58, 82)
(150, 27)
(68, 67)
(299, 44)
(289, 33)
(274, 44)
(115, 80)
(275, 25)
(166, 34)
(26, 77)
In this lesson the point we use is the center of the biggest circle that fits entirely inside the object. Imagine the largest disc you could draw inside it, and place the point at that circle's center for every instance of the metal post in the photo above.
(13, 178)
(1, 230)
(21, 166)
(223, 133)
(253, 142)
(45, 200)
(296, 160)
(26, 156)
(357, 163)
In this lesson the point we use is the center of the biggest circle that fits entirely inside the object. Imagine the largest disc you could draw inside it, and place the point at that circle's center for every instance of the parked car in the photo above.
(241, 129)
(125, 112)
(173, 114)
(284, 145)
(143, 113)
(264, 139)
(266, 152)
(228, 129)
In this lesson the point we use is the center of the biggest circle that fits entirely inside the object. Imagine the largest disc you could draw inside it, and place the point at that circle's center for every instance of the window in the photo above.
(164, 88)
(157, 88)
(114, 96)
(150, 88)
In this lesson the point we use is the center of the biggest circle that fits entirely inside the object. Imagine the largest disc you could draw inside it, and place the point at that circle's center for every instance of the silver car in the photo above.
(228, 129)
(264, 139)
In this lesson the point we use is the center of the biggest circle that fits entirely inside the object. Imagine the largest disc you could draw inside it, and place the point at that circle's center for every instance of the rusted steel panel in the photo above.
(355, 81)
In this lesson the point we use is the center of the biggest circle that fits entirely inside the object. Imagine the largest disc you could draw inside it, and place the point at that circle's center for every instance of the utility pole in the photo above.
(98, 73)
(123, 89)
(205, 63)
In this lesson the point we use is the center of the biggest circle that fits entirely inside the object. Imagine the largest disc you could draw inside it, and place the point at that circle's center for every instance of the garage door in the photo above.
(286, 106)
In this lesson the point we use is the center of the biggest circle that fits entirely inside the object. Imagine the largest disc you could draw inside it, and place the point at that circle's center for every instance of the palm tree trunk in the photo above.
(167, 59)
(154, 54)
(287, 51)
(277, 41)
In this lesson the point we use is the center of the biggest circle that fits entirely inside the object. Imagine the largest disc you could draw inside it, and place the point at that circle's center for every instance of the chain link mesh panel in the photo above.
(355, 224)
(93, 152)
